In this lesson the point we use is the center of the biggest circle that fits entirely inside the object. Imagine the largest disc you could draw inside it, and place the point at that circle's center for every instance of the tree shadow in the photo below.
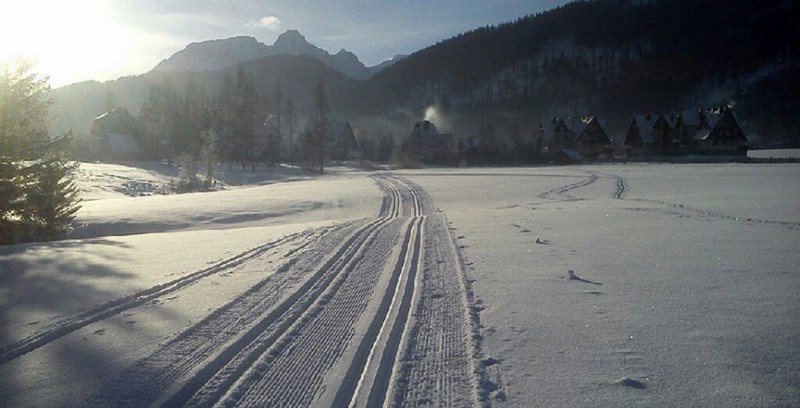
(43, 285)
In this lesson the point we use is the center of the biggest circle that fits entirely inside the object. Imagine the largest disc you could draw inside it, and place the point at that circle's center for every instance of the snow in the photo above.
(603, 285)
(774, 153)
(695, 302)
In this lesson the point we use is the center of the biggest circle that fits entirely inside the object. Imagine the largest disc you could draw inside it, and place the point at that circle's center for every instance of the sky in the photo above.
(78, 40)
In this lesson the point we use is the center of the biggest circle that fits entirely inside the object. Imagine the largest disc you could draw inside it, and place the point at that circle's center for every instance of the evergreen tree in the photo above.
(290, 119)
(243, 117)
(314, 143)
(277, 97)
(38, 198)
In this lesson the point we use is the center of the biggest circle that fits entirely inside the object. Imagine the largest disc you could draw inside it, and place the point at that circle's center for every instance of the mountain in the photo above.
(386, 64)
(217, 54)
(611, 58)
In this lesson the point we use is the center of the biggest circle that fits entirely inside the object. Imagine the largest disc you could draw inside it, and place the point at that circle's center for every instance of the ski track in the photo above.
(66, 326)
(274, 344)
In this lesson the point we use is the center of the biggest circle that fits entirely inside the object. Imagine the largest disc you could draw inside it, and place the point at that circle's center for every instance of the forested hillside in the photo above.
(610, 58)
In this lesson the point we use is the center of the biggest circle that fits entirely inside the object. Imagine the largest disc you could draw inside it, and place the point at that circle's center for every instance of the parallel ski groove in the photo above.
(437, 357)
(149, 378)
(285, 324)
(116, 306)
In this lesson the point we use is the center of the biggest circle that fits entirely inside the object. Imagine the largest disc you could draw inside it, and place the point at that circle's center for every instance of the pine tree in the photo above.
(319, 127)
(290, 119)
(38, 198)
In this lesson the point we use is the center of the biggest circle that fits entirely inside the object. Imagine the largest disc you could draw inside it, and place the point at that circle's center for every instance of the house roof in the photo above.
(645, 126)
(549, 129)
(691, 117)
(425, 133)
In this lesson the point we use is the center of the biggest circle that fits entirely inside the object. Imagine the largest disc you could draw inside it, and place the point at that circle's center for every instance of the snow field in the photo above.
(338, 301)
(695, 292)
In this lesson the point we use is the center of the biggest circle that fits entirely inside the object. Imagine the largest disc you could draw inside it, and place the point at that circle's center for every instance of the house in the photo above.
(687, 124)
(650, 134)
(591, 140)
(341, 143)
(639, 138)
(555, 135)
(115, 133)
(720, 133)
(425, 144)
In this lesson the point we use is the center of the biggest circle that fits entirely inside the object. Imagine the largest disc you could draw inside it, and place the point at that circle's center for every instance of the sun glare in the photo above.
(65, 39)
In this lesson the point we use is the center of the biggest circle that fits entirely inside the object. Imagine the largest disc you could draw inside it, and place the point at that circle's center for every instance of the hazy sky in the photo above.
(78, 40)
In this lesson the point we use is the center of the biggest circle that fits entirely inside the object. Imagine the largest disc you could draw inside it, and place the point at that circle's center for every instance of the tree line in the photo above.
(237, 126)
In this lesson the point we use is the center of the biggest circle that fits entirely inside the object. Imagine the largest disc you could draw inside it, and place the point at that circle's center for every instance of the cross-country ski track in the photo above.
(367, 313)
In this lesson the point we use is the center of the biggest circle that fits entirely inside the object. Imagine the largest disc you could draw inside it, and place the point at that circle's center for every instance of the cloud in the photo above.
(269, 22)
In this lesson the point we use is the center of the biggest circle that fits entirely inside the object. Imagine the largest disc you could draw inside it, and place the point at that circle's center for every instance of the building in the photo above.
(341, 143)
(650, 134)
(425, 144)
(591, 139)
(710, 131)
(555, 135)
(115, 135)
(719, 134)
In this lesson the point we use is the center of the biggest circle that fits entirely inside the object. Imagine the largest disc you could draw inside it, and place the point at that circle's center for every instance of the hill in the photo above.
(610, 58)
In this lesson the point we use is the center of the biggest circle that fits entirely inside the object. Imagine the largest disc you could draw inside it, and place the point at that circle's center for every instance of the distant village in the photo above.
(564, 140)
(714, 132)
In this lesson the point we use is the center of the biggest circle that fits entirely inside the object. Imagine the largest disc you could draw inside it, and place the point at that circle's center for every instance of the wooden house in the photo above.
(639, 138)
(425, 144)
(719, 134)
(341, 143)
(555, 135)
(591, 139)
(115, 135)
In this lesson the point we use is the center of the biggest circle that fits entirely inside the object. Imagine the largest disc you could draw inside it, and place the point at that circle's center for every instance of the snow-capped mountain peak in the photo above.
(218, 54)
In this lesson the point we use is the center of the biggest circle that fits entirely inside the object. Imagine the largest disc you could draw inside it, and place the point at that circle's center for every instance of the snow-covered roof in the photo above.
(691, 117)
(425, 132)
(645, 124)
(578, 125)
(713, 117)
(549, 129)
(701, 134)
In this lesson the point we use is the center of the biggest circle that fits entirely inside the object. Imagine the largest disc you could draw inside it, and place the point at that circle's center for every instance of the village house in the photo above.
(425, 144)
(650, 134)
(115, 136)
(555, 135)
(341, 143)
(720, 133)
(711, 131)
(591, 139)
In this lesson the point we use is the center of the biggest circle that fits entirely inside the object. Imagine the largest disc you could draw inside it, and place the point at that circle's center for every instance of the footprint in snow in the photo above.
(572, 276)
(630, 382)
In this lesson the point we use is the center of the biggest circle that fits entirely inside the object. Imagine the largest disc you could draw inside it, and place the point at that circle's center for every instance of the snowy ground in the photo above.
(693, 277)
(348, 287)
